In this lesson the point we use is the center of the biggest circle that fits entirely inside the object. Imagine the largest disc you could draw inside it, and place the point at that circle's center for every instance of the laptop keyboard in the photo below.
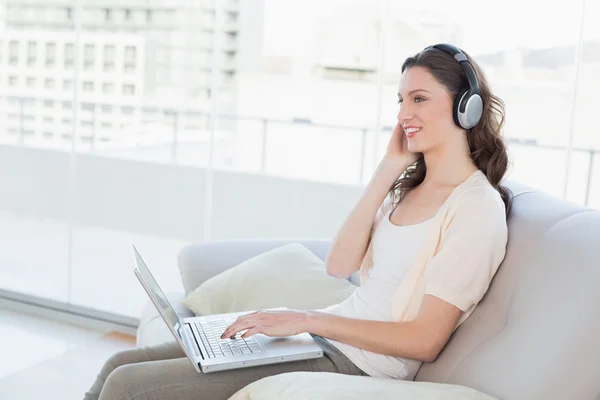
(210, 334)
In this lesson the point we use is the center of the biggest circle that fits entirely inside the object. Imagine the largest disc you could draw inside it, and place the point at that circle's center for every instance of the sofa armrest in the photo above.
(201, 261)
(152, 329)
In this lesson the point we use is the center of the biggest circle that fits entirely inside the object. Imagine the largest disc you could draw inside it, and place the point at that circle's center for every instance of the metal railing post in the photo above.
(592, 153)
(175, 138)
(263, 162)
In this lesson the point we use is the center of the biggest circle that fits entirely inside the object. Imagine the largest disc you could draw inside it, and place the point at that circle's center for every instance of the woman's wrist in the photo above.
(312, 319)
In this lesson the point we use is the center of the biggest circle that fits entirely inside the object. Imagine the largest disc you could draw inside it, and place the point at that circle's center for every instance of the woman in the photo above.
(429, 233)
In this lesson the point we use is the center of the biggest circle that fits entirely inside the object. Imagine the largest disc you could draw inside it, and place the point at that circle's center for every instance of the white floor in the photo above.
(27, 340)
(45, 359)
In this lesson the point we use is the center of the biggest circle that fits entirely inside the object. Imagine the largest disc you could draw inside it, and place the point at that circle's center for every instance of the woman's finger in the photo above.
(253, 331)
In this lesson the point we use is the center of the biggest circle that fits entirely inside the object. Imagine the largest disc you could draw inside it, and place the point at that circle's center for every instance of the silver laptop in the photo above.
(199, 337)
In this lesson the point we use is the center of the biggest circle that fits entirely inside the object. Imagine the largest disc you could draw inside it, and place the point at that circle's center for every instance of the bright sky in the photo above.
(489, 26)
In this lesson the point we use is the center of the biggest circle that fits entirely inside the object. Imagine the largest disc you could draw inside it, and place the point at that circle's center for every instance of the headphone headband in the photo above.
(463, 61)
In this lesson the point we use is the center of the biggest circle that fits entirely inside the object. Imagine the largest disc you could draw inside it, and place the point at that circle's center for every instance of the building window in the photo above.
(127, 14)
(31, 53)
(148, 15)
(106, 109)
(109, 58)
(30, 83)
(49, 83)
(67, 105)
(48, 103)
(13, 80)
(48, 120)
(108, 87)
(13, 52)
(69, 13)
(69, 55)
(88, 56)
(128, 89)
(68, 84)
(50, 54)
(130, 58)
(106, 125)
(88, 86)
(107, 14)
(87, 107)
(47, 134)
(127, 110)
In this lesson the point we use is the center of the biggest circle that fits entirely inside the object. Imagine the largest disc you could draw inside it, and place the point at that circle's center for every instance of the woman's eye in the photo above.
(419, 98)
(399, 101)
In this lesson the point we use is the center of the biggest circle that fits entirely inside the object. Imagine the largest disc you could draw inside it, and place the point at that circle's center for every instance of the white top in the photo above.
(394, 251)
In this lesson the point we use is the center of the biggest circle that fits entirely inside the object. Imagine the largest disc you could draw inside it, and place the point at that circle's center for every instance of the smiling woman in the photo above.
(417, 282)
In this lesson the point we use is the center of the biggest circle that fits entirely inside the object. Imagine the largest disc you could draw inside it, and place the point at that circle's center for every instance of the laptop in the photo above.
(199, 337)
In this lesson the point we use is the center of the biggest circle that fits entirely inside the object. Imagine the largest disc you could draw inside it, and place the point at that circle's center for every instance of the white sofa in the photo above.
(535, 334)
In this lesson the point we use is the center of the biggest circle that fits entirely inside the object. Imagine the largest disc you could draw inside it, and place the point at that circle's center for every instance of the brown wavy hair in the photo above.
(486, 143)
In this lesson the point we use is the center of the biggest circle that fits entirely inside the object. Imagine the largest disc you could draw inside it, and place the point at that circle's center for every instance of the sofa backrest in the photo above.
(536, 332)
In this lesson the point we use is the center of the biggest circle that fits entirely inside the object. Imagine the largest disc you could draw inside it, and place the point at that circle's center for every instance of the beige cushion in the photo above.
(327, 385)
(288, 276)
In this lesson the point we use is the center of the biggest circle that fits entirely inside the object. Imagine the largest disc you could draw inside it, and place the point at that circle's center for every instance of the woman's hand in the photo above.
(397, 148)
(270, 323)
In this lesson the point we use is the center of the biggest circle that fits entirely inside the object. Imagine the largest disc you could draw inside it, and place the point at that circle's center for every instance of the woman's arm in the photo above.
(350, 243)
(421, 339)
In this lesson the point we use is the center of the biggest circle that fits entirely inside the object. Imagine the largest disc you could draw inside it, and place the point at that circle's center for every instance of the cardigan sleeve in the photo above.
(472, 247)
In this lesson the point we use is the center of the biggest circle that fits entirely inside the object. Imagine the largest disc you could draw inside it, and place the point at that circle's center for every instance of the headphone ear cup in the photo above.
(457, 101)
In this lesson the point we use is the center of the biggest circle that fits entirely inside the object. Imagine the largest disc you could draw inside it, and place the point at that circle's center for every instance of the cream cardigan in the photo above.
(463, 249)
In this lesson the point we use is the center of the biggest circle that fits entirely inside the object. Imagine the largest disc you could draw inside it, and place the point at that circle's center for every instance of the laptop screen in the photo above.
(157, 292)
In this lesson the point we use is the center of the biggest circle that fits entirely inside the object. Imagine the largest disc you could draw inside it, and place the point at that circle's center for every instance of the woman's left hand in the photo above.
(271, 323)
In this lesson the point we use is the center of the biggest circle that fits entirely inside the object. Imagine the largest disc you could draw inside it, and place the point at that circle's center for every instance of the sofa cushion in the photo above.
(288, 276)
(328, 385)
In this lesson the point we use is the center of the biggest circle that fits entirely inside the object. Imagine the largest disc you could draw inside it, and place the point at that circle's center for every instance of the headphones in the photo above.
(468, 105)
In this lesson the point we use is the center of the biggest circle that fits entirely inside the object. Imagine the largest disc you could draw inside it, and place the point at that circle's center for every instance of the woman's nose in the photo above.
(404, 114)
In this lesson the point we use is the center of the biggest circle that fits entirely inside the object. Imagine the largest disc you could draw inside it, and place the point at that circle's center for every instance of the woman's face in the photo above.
(425, 110)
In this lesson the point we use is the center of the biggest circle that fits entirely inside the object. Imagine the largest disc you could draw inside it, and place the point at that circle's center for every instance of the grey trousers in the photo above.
(163, 373)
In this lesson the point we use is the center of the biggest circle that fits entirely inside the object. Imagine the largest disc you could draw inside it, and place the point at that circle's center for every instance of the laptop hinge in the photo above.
(185, 332)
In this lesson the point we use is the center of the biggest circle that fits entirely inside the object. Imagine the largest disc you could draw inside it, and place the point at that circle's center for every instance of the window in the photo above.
(13, 52)
(12, 81)
(67, 105)
(130, 58)
(148, 15)
(87, 107)
(106, 109)
(88, 86)
(109, 58)
(48, 120)
(69, 13)
(108, 87)
(69, 55)
(31, 53)
(127, 14)
(48, 103)
(128, 89)
(68, 84)
(30, 83)
(50, 54)
(107, 14)
(47, 134)
(49, 83)
(88, 56)
(127, 110)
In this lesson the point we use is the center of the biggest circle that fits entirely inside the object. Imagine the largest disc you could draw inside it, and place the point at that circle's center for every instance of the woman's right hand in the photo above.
(397, 148)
